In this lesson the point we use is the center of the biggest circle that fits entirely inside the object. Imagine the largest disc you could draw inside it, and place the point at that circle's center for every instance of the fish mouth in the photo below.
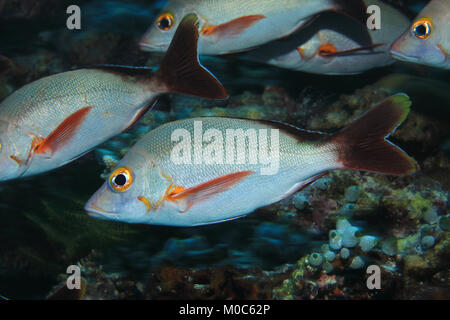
(145, 46)
(98, 213)
(403, 57)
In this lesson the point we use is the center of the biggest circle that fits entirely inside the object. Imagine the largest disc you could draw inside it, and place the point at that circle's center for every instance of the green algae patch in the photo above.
(413, 203)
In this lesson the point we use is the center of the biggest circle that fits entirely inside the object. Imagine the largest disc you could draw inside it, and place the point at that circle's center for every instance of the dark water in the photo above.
(44, 229)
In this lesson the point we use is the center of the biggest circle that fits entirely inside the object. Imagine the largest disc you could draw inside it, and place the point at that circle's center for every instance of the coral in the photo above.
(171, 282)
(357, 263)
(367, 243)
(344, 253)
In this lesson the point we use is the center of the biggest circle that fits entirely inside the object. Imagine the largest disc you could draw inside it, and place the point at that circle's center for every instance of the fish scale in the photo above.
(230, 26)
(158, 187)
(58, 96)
(300, 51)
(291, 155)
(431, 48)
(56, 119)
(40, 107)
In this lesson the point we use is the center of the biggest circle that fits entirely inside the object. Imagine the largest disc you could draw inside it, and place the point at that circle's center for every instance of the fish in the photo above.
(333, 45)
(55, 120)
(208, 170)
(229, 26)
(427, 40)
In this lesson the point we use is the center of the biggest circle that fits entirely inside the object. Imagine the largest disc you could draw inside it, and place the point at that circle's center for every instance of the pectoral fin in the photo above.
(233, 27)
(328, 50)
(186, 198)
(62, 134)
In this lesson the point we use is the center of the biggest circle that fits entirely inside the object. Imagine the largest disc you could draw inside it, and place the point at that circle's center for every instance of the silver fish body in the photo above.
(38, 108)
(228, 26)
(207, 185)
(427, 40)
(56, 119)
(331, 33)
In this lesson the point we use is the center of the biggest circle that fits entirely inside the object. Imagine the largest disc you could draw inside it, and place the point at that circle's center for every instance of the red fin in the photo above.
(180, 70)
(62, 134)
(233, 27)
(362, 144)
(187, 198)
(327, 50)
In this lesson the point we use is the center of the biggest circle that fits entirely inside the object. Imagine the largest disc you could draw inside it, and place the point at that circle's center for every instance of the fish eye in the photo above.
(121, 179)
(165, 21)
(422, 28)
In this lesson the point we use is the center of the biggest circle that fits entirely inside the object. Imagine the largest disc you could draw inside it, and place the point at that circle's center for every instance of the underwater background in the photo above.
(316, 244)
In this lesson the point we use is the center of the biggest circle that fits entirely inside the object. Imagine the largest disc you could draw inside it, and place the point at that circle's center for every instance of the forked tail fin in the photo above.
(363, 146)
(181, 71)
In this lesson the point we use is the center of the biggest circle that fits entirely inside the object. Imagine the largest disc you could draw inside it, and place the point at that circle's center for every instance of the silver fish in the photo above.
(427, 40)
(334, 45)
(208, 170)
(228, 26)
(56, 119)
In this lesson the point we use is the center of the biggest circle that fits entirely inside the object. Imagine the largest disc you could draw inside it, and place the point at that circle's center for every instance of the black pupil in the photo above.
(421, 30)
(164, 23)
(120, 180)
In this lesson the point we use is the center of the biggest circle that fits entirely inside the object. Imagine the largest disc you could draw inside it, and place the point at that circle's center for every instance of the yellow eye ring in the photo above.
(422, 28)
(165, 21)
(121, 179)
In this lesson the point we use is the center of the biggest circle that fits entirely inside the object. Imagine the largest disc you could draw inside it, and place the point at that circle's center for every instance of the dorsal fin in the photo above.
(181, 70)
(293, 131)
(125, 71)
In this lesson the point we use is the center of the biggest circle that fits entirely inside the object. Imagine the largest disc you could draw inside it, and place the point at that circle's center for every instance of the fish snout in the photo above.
(145, 44)
(402, 57)
(400, 50)
(100, 205)
(95, 212)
